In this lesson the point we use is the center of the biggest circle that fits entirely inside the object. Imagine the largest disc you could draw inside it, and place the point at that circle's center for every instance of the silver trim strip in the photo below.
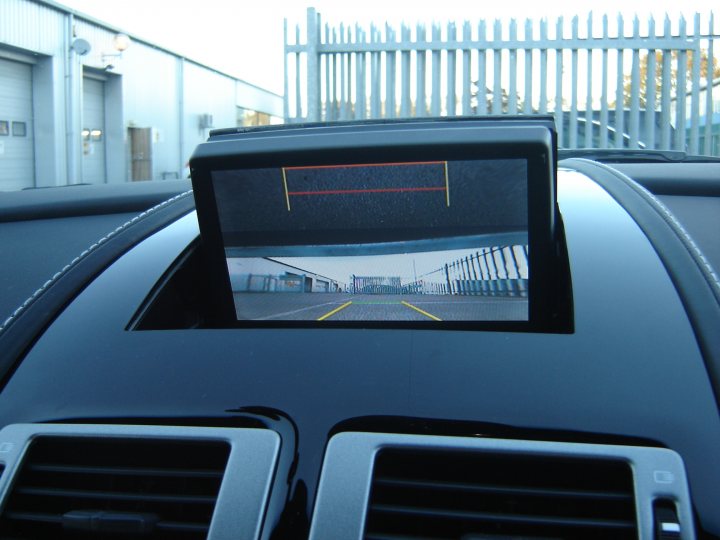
(346, 476)
(245, 488)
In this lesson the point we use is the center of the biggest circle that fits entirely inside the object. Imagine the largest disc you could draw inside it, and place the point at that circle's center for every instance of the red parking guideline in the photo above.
(372, 190)
(288, 193)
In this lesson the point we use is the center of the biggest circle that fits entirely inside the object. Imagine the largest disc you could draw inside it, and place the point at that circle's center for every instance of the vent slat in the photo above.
(107, 496)
(33, 516)
(524, 491)
(71, 484)
(124, 471)
(171, 526)
(176, 526)
(432, 494)
(503, 518)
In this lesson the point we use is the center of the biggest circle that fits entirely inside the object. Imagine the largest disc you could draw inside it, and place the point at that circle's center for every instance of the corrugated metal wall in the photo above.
(145, 87)
(31, 26)
(205, 93)
(16, 125)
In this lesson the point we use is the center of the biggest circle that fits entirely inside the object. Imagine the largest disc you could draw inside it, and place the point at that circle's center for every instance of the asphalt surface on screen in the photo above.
(377, 307)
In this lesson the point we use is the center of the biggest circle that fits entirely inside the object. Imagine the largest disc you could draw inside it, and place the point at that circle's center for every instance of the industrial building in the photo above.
(84, 102)
(263, 274)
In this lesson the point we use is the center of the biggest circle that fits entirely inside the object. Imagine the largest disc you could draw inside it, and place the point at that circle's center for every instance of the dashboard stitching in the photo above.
(690, 244)
(15, 314)
(670, 217)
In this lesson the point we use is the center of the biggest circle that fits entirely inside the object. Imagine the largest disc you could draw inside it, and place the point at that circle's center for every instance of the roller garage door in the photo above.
(93, 132)
(17, 169)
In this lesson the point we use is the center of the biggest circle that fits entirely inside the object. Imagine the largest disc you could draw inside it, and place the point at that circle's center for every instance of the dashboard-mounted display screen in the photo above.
(409, 224)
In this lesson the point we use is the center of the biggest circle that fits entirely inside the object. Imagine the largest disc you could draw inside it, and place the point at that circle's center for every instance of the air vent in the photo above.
(476, 495)
(119, 488)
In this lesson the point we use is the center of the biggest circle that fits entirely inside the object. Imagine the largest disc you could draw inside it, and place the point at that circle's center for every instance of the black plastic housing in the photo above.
(529, 138)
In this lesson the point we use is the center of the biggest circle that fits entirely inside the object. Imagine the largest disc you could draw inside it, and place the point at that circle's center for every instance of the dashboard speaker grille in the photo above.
(119, 488)
(477, 495)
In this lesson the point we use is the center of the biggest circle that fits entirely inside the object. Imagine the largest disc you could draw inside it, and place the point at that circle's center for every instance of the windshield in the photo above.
(97, 94)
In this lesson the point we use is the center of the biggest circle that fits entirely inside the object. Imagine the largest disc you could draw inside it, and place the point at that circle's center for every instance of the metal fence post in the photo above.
(620, 89)
(635, 89)
(313, 65)
(559, 82)
(650, 99)
(681, 92)
(589, 92)
(482, 69)
(695, 95)
(574, 86)
(528, 57)
(604, 91)
(708, 143)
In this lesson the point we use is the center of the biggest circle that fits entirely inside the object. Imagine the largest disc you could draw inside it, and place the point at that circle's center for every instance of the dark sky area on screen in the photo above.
(476, 195)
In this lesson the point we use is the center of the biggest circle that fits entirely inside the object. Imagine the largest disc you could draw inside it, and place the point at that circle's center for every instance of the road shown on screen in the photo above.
(378, 307)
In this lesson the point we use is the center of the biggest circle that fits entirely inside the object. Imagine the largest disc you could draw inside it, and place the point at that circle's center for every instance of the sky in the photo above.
(245, 39)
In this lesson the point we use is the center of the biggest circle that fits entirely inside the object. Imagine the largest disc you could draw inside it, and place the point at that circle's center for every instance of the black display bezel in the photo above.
(532, 139)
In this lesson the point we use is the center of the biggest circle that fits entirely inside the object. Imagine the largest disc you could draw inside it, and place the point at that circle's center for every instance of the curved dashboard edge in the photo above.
(37, 312)
(696, 283)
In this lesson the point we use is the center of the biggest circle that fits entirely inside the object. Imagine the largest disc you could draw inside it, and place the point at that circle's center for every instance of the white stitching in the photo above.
(15, 314)
(692, 247)
(669, 215)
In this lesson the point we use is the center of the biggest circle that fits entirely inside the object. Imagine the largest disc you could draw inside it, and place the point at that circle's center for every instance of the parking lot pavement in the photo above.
(370, 307)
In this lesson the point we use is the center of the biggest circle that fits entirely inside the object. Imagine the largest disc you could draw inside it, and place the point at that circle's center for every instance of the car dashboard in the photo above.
(127, 414)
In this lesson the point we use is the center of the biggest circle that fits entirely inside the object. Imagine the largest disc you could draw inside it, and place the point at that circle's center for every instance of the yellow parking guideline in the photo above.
(334, 311)
(447, 185)
(433, 317)
(287, 197)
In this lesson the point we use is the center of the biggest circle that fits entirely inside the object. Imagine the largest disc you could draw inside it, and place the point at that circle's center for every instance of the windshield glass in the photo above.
(112, 92)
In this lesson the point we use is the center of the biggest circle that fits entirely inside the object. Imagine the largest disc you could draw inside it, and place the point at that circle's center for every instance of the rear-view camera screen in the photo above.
(406, 241)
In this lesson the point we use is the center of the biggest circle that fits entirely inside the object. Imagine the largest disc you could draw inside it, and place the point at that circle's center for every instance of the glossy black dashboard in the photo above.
(637, 369)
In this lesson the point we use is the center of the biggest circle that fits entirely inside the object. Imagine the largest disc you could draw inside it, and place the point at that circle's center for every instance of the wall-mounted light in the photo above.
(120, 43)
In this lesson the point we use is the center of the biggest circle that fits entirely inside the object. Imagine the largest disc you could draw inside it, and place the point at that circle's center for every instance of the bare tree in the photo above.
(657, 76)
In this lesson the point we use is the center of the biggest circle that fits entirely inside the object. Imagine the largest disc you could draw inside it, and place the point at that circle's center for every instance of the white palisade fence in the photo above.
(608, 83)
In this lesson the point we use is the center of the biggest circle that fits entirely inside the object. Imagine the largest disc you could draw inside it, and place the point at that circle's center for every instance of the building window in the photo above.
(19, 129)
(4, 128)
(249, 117)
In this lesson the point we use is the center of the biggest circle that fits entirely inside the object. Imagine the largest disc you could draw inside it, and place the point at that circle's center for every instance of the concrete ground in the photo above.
(377, 307)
